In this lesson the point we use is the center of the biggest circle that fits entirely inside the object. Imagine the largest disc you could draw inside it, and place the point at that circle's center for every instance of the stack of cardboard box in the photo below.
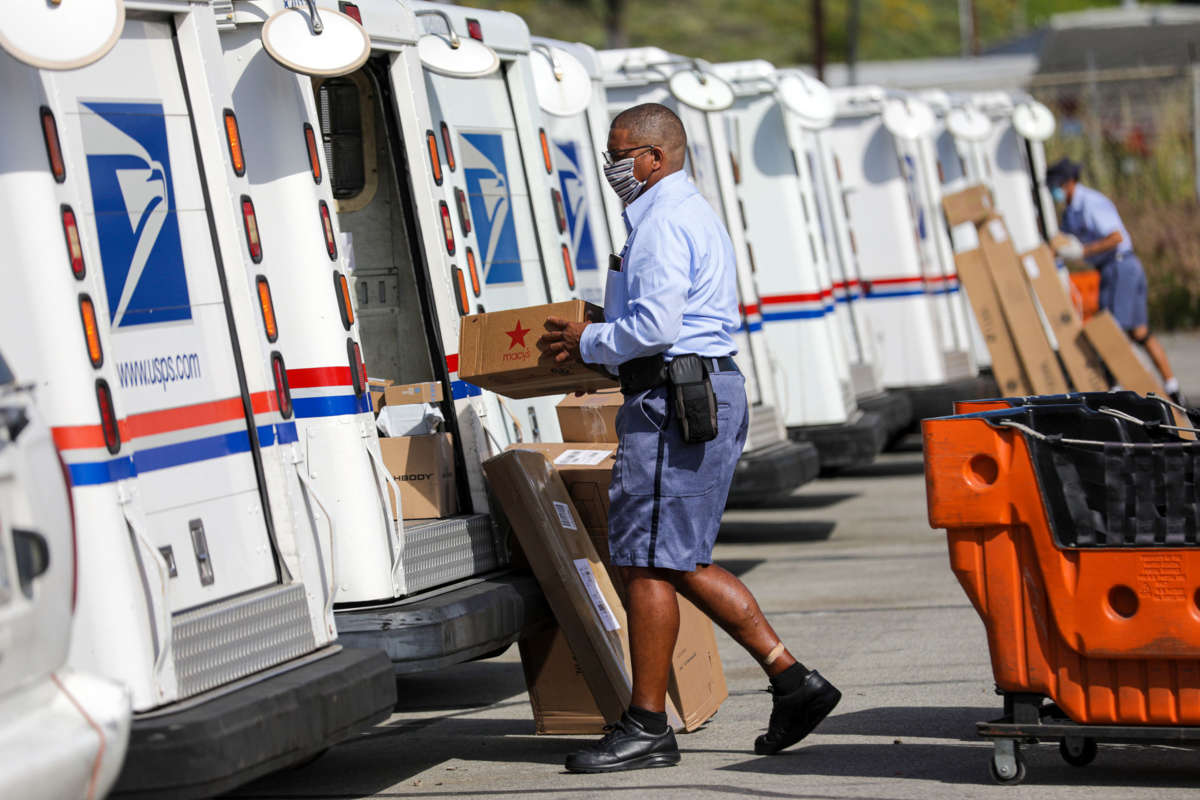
(1018, 300)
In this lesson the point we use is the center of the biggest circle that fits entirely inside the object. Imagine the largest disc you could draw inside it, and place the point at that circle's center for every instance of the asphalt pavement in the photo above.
(858, 585)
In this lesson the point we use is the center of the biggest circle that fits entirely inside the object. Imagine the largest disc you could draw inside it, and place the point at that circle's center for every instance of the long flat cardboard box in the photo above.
(1016, 300)
(498, 351)
(1006, 365)
(697, 684)
(532, 496)
(1115, 348)
(1078, 355)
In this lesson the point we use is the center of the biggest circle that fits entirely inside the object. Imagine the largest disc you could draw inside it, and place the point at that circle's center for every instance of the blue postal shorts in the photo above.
(1123, 291)
(667, 496)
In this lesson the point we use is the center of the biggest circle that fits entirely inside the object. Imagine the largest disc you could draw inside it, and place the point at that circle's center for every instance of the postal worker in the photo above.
(1100, 239)
(671, 309)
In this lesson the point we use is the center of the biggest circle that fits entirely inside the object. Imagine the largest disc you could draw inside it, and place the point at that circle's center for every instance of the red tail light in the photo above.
(474, 29)
(327, 225)
(108, 417)
(447, 227)
(560, 213)
(74, 246)
(351, 11)
(53, 149)
(283, 394)
(460, 292)
(464, 213)
(435, 162)
(314, 162)
(358, 369)
(545, 150)
(250, 222)
(446, 145)
(570, 270)
(234, 138)
(345, 308)
(474, 271)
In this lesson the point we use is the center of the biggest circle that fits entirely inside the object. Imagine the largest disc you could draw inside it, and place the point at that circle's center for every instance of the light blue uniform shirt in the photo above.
(676, 291)
(1090, 216)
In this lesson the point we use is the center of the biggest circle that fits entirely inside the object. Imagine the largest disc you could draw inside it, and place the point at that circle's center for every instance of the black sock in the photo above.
(654, 722)
(790, 679)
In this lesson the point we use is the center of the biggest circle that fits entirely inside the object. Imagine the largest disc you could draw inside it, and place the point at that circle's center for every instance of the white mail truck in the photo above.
(205, 570)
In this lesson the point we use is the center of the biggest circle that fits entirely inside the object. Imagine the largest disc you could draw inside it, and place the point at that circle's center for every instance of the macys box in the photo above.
(423, 467)
(498, 351)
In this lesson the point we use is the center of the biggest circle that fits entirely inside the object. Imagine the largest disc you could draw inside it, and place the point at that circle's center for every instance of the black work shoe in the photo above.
(626, 745)
(794, 715)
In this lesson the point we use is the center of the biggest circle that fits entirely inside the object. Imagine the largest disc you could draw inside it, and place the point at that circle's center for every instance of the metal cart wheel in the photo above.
(1007, 767)
(1078, 751)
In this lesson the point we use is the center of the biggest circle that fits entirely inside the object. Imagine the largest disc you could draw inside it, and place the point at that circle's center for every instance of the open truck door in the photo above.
(421, 213)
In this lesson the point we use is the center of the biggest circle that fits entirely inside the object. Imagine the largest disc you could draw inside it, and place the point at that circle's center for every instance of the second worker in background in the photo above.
(671, 309)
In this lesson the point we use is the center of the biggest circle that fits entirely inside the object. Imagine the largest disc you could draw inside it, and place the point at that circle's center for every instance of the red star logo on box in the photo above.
(517, 335)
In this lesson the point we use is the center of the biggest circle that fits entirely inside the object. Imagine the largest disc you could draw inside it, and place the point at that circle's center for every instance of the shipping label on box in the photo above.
(1016, 300)
(498, 351)
(981, 293)
(590, 417)
(423, 467)
(1078, 355)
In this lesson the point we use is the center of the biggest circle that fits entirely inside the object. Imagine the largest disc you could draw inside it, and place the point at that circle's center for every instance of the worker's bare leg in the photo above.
(653, 627)
(727, 602)
(1154, 349)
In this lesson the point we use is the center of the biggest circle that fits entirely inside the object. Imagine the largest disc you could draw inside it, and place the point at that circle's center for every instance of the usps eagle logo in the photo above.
(575, 199)
(129, 169)
(490, 199)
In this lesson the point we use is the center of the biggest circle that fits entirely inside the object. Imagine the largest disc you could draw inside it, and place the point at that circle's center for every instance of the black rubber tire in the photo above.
(1087, 756)
(1014, 780)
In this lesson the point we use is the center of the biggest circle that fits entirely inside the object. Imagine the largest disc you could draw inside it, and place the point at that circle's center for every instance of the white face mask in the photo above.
(620, 177)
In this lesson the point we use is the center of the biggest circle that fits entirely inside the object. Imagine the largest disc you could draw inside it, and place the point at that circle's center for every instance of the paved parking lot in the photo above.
(858, 585)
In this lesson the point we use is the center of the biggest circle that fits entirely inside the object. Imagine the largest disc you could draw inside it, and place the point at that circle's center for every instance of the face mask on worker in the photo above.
(620, 177)
(1059, 194)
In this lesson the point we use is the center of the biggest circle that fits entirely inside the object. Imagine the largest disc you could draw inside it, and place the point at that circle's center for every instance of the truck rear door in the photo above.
(188, 435)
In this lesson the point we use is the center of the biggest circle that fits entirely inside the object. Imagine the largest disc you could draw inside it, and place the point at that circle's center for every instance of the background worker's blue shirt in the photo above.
(1090, 216)
(676, 291)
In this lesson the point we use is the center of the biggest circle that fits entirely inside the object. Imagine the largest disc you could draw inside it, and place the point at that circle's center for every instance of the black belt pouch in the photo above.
(695, 402)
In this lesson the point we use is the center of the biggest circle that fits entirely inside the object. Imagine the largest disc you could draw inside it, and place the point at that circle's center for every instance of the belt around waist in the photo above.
(649, 372)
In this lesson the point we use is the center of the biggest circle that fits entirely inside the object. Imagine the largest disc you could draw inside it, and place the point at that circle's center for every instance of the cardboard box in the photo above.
(423, 467)
(973, 204)
(1078, 355)
(1115, 348)
(1016, 300)
(498, 351)
(541, 515)
(697, 685)
(377, 386)
(558, 692)
(409, 393)
(981, 293)
(591, 417)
